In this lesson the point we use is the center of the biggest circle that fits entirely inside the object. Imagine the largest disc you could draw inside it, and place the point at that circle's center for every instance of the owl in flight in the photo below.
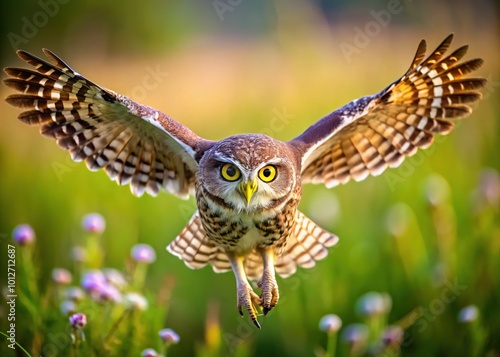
(247, 187)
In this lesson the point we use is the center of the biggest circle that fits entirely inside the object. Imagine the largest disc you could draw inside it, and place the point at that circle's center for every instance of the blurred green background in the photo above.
(227, 67)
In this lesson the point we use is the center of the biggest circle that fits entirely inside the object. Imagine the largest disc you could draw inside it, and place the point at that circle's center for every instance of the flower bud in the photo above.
(169, 336)
(78, 320)
(468, 314)
(330, 323)
(374, 303)
(61, 276)
(135, 301)
(143, 253)
(149, 352)
(94, 223)
(23, 234)
(355, 334)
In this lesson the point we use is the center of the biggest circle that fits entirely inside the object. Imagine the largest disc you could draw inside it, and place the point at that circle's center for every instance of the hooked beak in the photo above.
(248, 188)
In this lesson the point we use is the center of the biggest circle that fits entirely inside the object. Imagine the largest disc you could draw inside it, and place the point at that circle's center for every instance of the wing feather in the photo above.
(375, 132)
(134, 143)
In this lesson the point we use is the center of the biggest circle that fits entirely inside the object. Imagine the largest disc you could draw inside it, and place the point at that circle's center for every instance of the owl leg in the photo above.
(267, 282)
(245, 295)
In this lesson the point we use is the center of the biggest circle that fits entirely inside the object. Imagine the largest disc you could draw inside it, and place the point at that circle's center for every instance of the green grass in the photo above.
(436, 247)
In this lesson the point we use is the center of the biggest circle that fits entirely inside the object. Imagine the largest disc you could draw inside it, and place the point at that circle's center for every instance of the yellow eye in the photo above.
(229, 172)
(268, 173)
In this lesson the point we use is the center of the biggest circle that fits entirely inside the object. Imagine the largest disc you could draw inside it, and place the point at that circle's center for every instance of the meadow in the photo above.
(416, 270)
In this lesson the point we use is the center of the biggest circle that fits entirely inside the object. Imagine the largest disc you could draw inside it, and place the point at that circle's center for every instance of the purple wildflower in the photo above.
(330, 323)
(92, 278)
(94, 223)
(104, 292)
(78, 320)
(149, 352)
(94, 282)
(468, 314)
(23, 234)
(169, 336)
(143, 253)
(61, 276)
(115, 278)
(108, 292)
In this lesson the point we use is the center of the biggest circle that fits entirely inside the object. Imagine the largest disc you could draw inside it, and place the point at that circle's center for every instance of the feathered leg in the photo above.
(245, 295)
(267, 282)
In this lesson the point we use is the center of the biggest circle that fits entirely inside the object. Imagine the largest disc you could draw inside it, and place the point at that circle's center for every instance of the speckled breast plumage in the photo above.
(231, 229)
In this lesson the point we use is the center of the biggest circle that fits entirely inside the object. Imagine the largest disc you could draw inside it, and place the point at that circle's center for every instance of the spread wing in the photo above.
(134, 143)
(375, 132)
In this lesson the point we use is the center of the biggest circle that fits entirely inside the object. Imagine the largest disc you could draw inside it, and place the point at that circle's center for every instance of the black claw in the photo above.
(256, 323)
(266, 310)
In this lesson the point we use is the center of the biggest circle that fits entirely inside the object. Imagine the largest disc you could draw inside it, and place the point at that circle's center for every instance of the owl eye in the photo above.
(229, 172)
(268, 173)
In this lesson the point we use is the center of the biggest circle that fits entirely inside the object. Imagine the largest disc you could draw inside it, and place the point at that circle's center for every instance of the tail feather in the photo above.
(307, 245)
(193, 246)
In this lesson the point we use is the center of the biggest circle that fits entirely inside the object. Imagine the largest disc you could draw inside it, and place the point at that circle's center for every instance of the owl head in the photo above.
(249, 172)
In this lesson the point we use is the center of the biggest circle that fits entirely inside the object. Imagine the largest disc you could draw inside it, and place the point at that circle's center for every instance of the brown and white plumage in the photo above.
(375, 132)
(247, 187)
(306, 245)
(134, 143)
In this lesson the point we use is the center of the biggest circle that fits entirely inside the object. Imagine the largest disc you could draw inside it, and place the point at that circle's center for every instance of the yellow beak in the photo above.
(248, 188)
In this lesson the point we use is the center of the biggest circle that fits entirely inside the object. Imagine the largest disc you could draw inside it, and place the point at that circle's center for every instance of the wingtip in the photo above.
(422, 44)
(9, 100)
(54, 58)
(48, 53)
(419, 54)
(479, 63)
(22, 54)
(447, 41)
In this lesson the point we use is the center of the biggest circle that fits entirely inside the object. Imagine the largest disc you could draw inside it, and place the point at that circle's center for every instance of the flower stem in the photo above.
(94, 252)
(114, 328)
(331, 344)
(139, 275)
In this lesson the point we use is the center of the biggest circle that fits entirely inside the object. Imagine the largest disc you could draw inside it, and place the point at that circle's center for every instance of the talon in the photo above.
(249, 299)
(270, 294)
(265, 310)
(246, 297)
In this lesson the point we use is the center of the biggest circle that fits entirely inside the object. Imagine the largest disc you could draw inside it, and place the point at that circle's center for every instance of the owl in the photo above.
(247, 187)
